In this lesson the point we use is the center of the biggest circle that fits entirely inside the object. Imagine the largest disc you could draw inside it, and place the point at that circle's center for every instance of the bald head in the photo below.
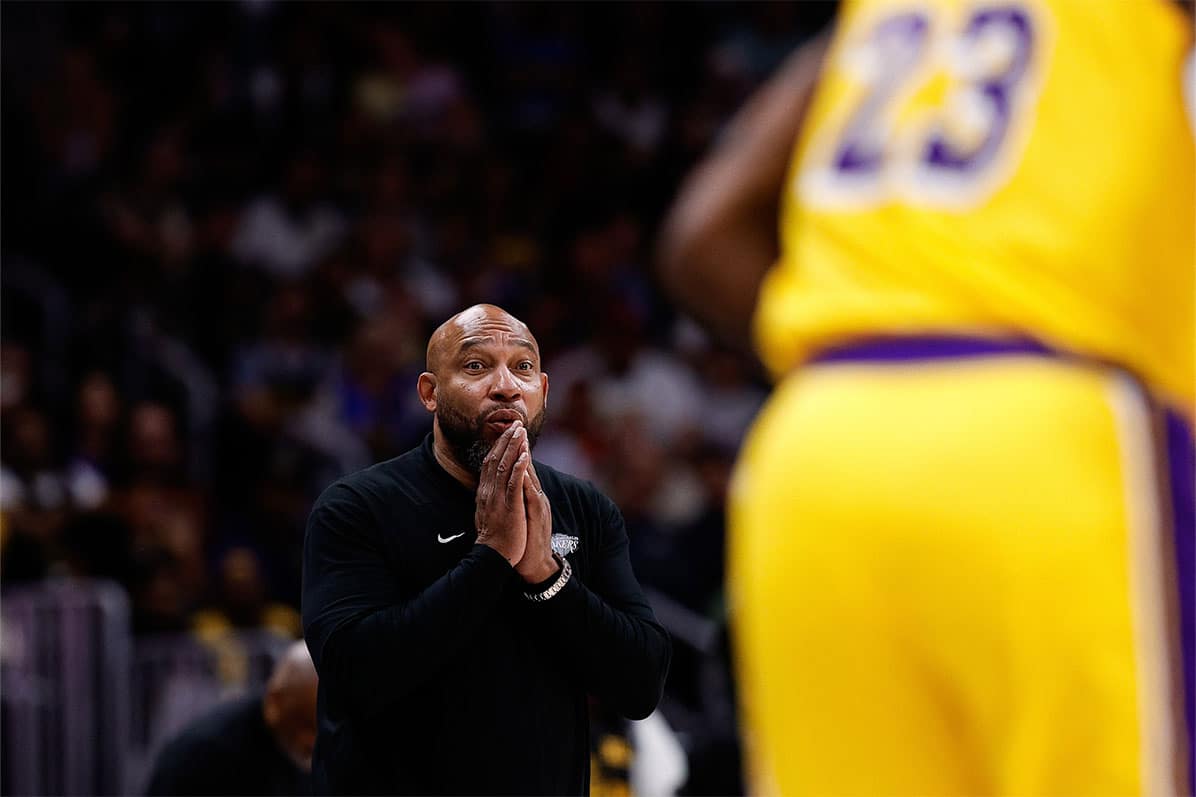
(469, 324)
(294, 670)
(289, 706)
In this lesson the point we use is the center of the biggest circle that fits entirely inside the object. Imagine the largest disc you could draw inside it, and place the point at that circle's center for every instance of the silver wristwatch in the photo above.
(557, 586)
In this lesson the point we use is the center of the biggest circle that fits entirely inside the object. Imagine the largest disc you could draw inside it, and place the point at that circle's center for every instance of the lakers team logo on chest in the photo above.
(564, 544)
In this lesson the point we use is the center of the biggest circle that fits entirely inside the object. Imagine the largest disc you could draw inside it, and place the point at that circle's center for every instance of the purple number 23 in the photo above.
(987, 60)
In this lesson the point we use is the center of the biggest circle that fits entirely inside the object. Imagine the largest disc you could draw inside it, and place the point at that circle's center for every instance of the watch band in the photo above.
(557, 586)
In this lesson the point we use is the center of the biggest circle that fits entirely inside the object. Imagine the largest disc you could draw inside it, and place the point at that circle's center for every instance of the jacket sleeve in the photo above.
(606, 630)
(370, 645)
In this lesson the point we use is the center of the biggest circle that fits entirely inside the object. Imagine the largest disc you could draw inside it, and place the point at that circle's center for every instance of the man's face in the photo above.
(489, 377)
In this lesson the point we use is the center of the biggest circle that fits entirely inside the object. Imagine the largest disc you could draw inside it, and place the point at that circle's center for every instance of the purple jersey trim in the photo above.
(1181, 454)
(927, 347)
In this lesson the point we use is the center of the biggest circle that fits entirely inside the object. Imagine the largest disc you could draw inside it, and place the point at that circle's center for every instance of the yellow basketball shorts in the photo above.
(963, 567)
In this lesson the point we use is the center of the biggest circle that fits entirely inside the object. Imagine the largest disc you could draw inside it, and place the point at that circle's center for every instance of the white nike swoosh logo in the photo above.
(450, 539)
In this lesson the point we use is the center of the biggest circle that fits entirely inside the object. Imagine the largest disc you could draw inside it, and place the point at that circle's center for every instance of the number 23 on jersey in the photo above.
(925, 105)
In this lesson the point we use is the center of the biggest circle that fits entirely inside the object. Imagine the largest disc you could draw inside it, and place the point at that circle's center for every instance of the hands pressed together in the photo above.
(513, 515)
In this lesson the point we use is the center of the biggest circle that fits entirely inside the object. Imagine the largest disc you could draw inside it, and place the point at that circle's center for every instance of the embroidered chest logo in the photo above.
(450, 538)
(563, 544)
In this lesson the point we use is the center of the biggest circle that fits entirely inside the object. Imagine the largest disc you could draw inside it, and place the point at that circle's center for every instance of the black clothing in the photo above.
(436, 674)
(229, 751)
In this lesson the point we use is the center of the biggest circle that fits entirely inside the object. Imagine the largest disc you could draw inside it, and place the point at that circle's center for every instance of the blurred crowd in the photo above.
(228, 230)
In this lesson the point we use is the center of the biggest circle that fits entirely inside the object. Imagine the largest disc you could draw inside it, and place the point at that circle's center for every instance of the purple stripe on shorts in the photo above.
(927, 347)
(1181, 453)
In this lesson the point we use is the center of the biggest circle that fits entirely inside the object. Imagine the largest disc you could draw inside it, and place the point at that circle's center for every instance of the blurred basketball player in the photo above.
(961, 555)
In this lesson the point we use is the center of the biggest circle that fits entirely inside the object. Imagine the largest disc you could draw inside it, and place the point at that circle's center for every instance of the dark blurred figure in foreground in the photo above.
(258, 744)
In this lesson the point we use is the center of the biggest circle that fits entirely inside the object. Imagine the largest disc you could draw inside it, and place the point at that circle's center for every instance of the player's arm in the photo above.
(721, 234)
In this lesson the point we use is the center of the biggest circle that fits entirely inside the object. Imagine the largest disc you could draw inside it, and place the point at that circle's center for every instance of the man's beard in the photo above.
(466, 438)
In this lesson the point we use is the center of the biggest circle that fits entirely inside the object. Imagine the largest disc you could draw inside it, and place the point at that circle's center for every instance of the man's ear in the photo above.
(544, 384)
(427, 390)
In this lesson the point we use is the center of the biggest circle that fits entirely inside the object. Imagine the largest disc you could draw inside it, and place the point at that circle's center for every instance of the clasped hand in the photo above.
(513, 515)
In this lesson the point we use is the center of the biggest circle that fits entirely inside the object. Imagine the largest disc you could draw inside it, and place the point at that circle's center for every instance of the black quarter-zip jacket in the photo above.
(436, 675)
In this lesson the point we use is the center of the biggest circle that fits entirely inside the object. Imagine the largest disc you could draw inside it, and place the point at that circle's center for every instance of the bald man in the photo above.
(258, 744)
(462, 600)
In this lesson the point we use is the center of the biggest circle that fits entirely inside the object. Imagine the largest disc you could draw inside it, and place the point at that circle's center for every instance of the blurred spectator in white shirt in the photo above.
(629, 375)
(287, 233)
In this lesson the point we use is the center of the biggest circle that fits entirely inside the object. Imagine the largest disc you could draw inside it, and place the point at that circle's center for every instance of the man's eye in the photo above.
(526, 365)
(473, 365)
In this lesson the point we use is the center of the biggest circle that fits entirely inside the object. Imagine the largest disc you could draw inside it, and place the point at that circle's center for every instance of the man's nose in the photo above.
(505, 386)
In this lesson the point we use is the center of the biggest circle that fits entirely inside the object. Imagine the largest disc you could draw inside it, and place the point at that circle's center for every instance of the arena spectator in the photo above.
(259, 744)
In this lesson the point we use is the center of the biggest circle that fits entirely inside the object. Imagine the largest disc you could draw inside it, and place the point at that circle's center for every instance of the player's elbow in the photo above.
(670, 258)
(682, 253)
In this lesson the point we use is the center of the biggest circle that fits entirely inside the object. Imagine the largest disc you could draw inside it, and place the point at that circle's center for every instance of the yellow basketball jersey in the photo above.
(1006, 168)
